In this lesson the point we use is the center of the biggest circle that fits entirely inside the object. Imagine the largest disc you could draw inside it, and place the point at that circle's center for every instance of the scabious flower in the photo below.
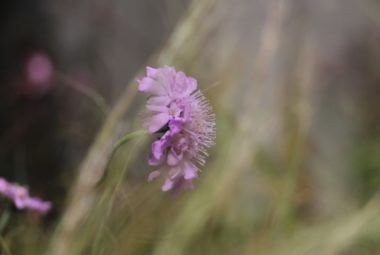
(20, 197)
(186, 122)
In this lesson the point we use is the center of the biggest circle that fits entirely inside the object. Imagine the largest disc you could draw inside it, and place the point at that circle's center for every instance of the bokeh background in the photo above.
(295, 88)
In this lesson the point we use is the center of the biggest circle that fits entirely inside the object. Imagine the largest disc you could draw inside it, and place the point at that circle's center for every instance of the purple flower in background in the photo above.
(186, 121)
(35, 80)
(20, 197)
(39, 70)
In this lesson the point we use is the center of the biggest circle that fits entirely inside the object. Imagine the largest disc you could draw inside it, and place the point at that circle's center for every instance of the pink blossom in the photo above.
(20, 197)
(166, 89)
(187, 122)
(36, 77)
(39, 69)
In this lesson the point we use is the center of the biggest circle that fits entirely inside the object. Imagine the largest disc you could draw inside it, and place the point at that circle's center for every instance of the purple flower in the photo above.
(168, 90)
(21, 198)
(38, 205)
(187, 122)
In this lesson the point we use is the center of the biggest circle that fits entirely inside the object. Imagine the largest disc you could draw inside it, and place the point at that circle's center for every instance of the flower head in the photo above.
(186, 121)
(168, 92)
(21, 198)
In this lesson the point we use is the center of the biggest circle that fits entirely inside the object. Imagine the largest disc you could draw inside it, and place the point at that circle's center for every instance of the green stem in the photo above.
(111, 197)
(126, 138)
(4, 220)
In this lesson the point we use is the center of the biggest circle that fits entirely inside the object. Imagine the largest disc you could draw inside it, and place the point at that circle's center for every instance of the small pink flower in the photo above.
(37, 74)
(39, 69)
(19, 195)
(21, 198)
(3, 185)
(187, 123)
(38, 205)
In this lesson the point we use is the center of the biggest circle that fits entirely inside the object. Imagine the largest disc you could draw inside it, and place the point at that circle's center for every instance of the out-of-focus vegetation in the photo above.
(294, 85)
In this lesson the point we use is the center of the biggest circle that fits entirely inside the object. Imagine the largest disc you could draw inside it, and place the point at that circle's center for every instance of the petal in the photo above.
(3, 185)
(192, 84)
(156, 122)
(167, 185)
(159, 100)
(158, 104)
(183, 85)
(38, 205)
(150, 71)
(20, 203)
(190, 171)
(153, 161)
(175, 126)
(159, 147)
(173, 158)
(165, 77)
(153, 175)
(157, 108)
(149, 85)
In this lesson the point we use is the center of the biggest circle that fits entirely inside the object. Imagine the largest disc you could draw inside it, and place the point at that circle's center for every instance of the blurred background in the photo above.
(295, 88)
